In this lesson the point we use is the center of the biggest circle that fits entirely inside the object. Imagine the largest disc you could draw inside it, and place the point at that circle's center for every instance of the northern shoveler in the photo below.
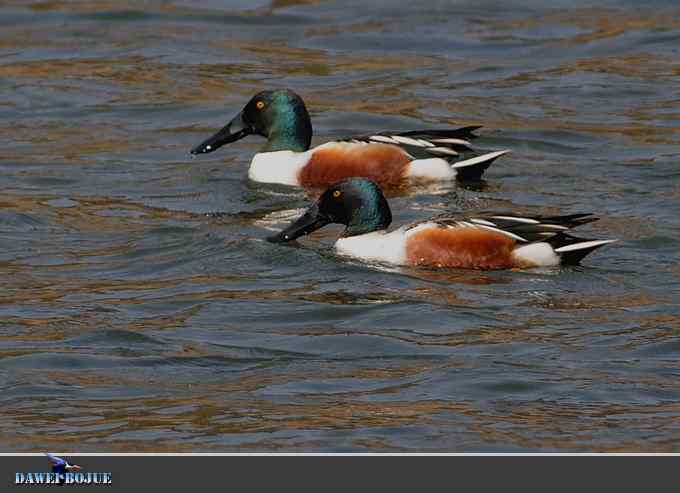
(390, 159)
(489, 241)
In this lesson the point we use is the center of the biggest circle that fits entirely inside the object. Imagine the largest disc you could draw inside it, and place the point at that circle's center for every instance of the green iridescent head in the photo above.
(357, 203)
(279, 115)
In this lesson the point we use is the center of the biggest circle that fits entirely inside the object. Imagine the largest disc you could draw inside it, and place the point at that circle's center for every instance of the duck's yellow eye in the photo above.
(337, 194)
(259, 105)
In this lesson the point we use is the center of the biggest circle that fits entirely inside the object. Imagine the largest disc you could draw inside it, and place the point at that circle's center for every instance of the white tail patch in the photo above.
(480, 159)
(434, 168)
(537, 255)
(583, 245)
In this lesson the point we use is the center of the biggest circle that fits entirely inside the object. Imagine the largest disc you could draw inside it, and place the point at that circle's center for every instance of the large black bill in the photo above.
(308, 222)
(235, 130)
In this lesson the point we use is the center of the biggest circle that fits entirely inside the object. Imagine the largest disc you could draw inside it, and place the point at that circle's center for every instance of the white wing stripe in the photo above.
(442, 150)
(483, 222)
(382, 138)
(452, 141)
(425, 143)
(555, 226)
(407, 141)
(517, 219)
(506, 233)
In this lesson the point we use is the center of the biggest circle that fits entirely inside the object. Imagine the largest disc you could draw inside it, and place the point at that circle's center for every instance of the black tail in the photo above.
(473, 168)
(572, 249)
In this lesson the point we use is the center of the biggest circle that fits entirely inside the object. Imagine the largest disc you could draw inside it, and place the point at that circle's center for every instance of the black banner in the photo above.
(245, 473)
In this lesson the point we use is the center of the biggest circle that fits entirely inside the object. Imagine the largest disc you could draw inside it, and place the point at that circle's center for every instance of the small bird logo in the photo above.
(61, 466)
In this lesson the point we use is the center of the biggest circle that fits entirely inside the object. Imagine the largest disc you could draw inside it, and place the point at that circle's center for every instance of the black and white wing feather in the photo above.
(524, 229)
(425, 143)
(529, 229)
(453, 145)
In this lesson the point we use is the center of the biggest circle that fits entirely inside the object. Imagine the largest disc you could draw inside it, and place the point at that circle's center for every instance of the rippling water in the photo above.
(131, 320)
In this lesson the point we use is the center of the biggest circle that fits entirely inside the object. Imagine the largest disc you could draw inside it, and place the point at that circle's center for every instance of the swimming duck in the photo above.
(61, 466)
(390, 159)
(486, 241)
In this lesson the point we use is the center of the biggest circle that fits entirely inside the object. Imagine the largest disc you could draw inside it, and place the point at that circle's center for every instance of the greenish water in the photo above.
(130, 320)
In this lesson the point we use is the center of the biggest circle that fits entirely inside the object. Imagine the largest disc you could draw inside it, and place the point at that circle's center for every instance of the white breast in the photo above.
(278, 166)
(378, 246)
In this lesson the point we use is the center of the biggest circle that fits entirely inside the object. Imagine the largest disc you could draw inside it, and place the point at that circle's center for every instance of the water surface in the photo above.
(132, 319)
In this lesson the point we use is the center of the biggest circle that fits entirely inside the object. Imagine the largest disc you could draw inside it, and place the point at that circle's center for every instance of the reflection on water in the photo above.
(142, 309)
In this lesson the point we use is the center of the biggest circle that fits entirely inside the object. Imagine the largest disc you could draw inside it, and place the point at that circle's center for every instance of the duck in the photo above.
(488, 241)
(60, 465)
(393, 160)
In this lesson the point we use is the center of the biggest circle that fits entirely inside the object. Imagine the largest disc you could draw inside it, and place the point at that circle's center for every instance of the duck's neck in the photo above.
(360, 229)
(287, 141)
(366, 221)
(291, 132)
